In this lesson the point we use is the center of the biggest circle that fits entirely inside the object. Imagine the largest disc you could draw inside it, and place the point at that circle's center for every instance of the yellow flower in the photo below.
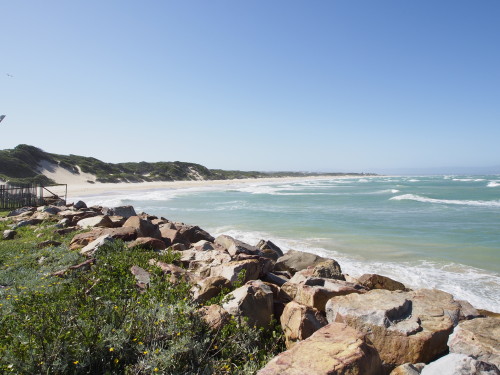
(75, 362)
(216, 347)
(178, 333)
(145, 352)
(156, 369)
(116, 360)
(111, 349)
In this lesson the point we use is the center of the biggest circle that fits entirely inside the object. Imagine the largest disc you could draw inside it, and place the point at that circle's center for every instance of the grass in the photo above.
(99, 322)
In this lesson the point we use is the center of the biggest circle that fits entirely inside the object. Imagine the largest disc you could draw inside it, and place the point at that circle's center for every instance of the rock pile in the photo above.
(332, 322)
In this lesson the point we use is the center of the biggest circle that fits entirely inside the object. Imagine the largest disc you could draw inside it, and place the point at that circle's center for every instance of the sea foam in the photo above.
(419, 198)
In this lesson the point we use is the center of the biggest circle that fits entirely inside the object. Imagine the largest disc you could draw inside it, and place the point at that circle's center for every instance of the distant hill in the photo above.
(28, 164)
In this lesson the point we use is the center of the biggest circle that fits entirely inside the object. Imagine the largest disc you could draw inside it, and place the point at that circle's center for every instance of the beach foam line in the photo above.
(493, 184)
(481, 288)
(422, 199)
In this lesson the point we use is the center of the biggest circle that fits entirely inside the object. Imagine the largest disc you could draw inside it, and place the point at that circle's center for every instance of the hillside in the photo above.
(27, 164)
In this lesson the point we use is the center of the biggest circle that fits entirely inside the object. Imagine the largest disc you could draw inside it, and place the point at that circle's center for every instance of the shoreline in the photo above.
(88, 189)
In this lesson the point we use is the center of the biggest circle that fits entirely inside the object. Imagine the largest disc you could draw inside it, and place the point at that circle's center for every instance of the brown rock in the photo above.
(234, 247)
(294, 261)
(210, 287)
(405, 327)
(48, 243)
(143, 228)
(170, 234)
(142, 276)
(408, 369)
(83, 239)
(335, 349)
(94, 246)
(102, 221)
(250, 269)
(215, 316)
(299, 322)
(253, 301)
(479, 338)
(148, 243)
(374, 281)
(328, 269)
(9, 234)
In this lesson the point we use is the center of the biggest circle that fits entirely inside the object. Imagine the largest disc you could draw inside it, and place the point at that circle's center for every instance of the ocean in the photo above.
(426, 231)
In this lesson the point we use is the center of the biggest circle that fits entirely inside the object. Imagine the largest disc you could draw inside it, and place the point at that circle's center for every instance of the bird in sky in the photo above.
(9, 75)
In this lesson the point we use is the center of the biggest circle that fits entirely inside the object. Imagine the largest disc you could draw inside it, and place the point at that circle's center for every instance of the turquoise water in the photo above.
(439, 231)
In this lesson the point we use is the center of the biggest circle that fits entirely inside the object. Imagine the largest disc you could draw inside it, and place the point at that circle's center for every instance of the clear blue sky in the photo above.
(255, 85)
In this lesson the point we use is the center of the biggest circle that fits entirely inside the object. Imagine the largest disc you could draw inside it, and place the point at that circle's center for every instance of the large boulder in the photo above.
(294, 261)
(235, 247)
(479, 338)
(209, 288)
(335, 349)
(94, 246)
(82, 239)
(459, 364)
(269, 249)
(20, 211)
(253, 301)
(214, 316)
(374, 281)
(299, 322)
(143, 228)
(102, 221)
(9, 234)
(124, 211)
(249, 269)
(192, 234)
(405, 327)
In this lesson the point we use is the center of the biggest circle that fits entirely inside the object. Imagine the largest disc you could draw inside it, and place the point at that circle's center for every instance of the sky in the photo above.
(323, 85)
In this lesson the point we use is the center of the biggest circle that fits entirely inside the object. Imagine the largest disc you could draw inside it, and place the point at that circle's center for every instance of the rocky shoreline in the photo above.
(332, 323)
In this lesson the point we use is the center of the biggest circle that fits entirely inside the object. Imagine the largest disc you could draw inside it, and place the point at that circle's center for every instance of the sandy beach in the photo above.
(77, 188)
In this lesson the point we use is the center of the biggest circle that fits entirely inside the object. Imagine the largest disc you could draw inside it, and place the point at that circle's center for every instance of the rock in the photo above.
(142, 276)
(374, 281)
(95, 245)
(117, 221)
(328, 269)
(335, 349)
(275, 279)
(268, 245)
(79, 205)
(149, 243)
(251, 269)
(64, 231)
(63, 223)
(316, 292)
(299, 322)
(20, 211)
(48, 243)
(254, 301)
(214, 316)
(459, 364)
(123, 211)
(294, 261)
(479, 338)
(408, 369)
(52, 210)
(467, 310)
(192, 234)
(210, 287)
(269, 250)
(178, 246)
(405, 327)
(9, 234)
(171, 235)
(102, 221)
(41, 216)
(25, 223)
(83, 239)
(203, 245)
(143, 228)
(235, 247)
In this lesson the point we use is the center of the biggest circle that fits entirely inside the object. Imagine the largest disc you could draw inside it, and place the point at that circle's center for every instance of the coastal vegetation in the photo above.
(97, 321)
(23, 165)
